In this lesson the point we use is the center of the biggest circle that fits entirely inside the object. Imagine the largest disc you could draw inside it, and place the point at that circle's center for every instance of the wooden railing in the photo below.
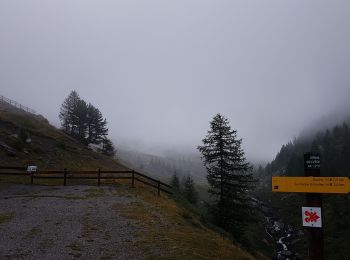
(16, 104)
(88, 175)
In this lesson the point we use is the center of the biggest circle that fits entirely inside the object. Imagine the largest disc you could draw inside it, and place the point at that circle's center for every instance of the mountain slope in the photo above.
(27, 139)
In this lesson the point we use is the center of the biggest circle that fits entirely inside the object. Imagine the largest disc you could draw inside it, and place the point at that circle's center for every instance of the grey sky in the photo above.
(160, 70)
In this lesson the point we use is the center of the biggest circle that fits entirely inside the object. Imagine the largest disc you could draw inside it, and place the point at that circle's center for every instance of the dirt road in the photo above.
(72, 222)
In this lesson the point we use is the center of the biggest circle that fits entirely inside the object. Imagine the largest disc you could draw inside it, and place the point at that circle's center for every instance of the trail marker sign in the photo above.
(336, 185)
(311, 217)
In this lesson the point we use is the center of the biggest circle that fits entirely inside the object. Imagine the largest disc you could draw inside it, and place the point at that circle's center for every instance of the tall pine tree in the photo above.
(85, 123)
(80, 120)
(96, 125)
(229, 176)
(67, 112)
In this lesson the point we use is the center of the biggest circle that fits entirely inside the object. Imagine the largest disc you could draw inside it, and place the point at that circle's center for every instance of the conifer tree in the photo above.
(108, 147)
(85, 123)
(67, 112)
(80, 120)
(175, 183)
(229, 175)
(189, 190)
(96, 125)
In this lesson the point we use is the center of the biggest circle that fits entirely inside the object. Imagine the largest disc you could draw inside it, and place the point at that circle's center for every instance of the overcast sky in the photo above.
(160, 70)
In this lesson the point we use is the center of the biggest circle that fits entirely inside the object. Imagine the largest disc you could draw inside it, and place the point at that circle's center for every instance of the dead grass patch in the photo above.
(167, 231)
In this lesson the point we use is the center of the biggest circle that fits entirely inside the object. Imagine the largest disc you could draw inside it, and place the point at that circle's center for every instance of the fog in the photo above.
(160, 70)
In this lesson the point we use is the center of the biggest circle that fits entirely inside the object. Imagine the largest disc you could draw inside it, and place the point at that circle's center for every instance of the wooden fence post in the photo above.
(158, 188)
(133, 179)
(99, 177)
(65, 177)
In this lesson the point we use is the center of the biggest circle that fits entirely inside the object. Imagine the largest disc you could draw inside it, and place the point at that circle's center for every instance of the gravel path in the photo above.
(72, 222)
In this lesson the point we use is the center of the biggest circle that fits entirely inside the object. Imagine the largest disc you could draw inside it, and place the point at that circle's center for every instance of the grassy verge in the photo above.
(172, 232)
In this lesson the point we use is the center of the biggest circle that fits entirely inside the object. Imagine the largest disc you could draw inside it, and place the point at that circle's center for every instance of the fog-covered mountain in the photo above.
(166, 165)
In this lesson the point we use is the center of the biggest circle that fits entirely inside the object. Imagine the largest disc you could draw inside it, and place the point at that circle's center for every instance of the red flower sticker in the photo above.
(311, 216)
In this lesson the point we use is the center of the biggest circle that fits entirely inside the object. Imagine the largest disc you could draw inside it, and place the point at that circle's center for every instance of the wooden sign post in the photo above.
(314, 200)
(313, 186)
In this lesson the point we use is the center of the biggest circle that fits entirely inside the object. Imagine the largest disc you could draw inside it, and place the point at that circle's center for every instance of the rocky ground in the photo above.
(45, 222)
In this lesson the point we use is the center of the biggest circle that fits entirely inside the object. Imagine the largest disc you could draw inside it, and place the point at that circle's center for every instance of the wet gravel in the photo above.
(72, 222)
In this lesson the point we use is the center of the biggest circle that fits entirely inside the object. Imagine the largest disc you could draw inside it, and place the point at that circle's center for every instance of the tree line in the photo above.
(333, 145)
(184, 189)
(85, 123)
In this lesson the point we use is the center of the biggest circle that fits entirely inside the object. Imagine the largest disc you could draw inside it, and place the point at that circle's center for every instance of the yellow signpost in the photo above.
(311, 184)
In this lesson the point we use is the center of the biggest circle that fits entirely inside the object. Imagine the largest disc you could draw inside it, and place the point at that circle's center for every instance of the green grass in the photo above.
(6, 217)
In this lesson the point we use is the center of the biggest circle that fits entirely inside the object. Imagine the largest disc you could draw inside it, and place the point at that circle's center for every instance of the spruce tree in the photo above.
(175, 183)
(67, 113)
(96, 125)
(229, 176)
(80, 120)
(84, 122)
(189, 190)
(108, 147)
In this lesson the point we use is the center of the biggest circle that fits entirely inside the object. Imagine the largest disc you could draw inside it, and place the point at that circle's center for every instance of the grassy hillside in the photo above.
(27, 139)
(176, 230)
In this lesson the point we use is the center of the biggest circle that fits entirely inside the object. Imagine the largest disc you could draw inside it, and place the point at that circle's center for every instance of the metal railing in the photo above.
(16, 104)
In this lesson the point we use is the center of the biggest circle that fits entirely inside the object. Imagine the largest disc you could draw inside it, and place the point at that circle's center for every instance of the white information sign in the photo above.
(32, 169)
(311, 217)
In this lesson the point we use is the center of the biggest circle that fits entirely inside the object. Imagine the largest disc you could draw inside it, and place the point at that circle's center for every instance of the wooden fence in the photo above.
(88, 175)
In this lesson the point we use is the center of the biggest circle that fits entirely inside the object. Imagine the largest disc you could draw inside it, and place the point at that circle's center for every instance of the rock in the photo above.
(286, 253)
(279, 247)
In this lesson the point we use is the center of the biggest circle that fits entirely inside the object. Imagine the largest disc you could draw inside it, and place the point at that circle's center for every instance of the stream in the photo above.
(285, 236)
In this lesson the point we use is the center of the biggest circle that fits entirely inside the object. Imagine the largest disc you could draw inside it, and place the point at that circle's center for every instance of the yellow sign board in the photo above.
(311, 184)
